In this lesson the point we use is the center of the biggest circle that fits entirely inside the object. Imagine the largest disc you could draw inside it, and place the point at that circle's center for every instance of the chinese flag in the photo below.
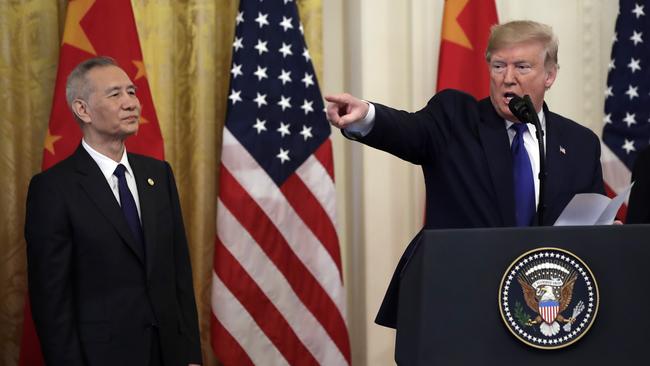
(93, 28)
(465, 31)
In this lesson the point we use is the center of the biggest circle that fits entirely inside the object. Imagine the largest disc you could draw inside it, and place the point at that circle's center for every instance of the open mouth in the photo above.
(508, 96)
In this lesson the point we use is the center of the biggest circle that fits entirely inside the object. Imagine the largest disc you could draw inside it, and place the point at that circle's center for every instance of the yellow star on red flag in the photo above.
(74, 34)
(451, 29)
(50, 140)
(142, 73)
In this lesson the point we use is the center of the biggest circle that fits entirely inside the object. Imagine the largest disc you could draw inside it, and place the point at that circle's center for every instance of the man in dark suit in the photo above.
(110, 281)
(466, 148)
(638, 212)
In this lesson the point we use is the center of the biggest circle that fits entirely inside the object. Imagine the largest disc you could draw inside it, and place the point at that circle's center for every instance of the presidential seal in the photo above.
(548, 298)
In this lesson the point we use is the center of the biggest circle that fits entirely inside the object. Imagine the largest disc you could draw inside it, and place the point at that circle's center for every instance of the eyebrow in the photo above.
(516, 63)
(114, 88)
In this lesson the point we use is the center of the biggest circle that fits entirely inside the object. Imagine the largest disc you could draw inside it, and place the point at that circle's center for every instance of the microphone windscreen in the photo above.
(519, 109)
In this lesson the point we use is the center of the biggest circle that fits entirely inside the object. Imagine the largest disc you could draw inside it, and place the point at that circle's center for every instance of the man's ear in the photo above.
(551, 74)
(80, 110)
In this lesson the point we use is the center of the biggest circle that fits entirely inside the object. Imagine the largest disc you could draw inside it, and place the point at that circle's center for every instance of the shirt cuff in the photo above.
(363, 126)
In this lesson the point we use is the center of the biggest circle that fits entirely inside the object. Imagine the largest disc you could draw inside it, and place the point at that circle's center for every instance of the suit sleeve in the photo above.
(184, 284)
(419, 137)
(639, 208)
(49, 265)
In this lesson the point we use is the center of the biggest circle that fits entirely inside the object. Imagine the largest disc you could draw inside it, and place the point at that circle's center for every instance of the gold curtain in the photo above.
(187, 48)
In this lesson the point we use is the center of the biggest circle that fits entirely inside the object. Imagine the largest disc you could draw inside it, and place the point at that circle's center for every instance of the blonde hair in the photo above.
(522, 31)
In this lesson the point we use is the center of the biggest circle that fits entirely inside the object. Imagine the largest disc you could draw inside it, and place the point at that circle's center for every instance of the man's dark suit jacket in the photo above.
(463, 148)
(638, 211)
(95, 295)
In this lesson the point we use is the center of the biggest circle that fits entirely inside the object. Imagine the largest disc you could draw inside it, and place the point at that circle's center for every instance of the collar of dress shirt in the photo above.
(542, 122)
(106, 164)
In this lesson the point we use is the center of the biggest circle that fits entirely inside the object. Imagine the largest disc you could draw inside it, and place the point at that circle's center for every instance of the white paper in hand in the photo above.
(592, 209)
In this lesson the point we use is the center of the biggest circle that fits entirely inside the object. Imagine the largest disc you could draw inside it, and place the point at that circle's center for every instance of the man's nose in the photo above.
(509, 76)
(130, 102)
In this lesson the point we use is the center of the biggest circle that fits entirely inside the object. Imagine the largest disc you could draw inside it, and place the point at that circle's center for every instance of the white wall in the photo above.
(386, 51)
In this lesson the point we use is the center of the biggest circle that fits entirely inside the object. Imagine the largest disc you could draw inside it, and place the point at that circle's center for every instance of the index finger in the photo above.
(338, 98)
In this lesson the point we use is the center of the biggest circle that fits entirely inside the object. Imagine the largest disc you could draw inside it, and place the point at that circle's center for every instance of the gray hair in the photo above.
(76, 85)
(521, 31)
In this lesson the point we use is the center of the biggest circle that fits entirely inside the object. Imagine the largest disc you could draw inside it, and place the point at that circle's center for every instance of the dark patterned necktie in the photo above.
(129, 208)
(523, 178)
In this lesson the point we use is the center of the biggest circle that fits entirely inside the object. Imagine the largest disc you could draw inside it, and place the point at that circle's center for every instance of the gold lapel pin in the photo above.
(150, 181)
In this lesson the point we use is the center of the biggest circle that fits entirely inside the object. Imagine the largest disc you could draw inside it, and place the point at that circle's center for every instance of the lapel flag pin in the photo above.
(150, 181)
(562, 150)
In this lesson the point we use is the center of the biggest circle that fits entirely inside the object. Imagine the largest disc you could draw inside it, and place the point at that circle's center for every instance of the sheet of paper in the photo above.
(583, 209)
(609, 214)
(592, 209)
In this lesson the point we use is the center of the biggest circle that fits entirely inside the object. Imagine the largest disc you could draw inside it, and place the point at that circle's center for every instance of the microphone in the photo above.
(521, 109)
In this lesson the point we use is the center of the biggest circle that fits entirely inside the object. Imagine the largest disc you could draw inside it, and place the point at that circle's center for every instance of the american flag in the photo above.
(627, 96)
(277, 291)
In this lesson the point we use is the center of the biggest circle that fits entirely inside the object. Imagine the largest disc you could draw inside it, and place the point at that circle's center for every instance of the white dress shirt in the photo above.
(363, 127)
(107, 166)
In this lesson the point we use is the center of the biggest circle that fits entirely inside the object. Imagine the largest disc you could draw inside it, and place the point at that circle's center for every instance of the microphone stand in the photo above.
(534, 119)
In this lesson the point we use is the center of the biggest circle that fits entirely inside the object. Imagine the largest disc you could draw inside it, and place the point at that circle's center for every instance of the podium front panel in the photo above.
(448, 312)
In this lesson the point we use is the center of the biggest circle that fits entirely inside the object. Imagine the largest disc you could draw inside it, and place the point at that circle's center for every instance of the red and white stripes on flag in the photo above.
(277, 290)
(277, 293)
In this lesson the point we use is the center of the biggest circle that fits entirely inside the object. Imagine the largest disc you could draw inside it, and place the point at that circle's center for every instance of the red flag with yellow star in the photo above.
(465, 30)
(93, 28)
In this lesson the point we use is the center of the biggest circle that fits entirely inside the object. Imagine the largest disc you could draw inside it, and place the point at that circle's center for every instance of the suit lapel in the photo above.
(94, 184)
(496, 145)
(147, 188)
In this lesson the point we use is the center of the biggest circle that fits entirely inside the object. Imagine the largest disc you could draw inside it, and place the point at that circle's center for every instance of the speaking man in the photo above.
(110, 281)
(481, 163)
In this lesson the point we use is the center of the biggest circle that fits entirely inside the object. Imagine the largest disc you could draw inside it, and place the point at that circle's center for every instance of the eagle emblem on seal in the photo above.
(548, 298)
